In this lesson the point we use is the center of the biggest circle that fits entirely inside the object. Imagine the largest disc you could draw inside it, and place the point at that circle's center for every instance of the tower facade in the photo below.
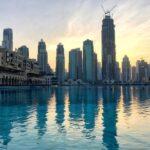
(99, 71)
(88, 60)
(133, 74)
(23, 50)
(126, 69)
(142, 71)
(42, 57)
(60, 63)
(8, 39)
(95, 63)
(117, 72)
(75, 64)
(108, 49)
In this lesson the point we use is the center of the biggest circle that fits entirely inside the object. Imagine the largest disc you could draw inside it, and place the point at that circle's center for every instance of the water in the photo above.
(75, 118)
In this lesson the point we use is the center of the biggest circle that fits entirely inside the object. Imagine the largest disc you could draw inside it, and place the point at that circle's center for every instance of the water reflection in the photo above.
(126, 92)
(5, 127)
(16, 106)
(90, 110)
(142, 93)
(111, 97)
(75, 103)
(83, 107)
(42, 110)
(60, 107)
(75, 108)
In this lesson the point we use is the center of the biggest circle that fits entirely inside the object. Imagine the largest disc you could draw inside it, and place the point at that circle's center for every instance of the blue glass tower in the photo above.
(88, 61)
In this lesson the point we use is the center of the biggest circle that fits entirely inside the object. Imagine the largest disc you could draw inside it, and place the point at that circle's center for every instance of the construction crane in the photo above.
(107, 12)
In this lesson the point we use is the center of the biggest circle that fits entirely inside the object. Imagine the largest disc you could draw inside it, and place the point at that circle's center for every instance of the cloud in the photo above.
(72, 21)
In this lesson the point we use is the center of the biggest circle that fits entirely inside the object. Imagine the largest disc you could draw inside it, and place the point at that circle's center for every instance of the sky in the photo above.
(70, 22)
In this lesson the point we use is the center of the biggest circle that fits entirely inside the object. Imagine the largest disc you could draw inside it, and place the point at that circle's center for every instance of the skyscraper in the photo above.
(23, 50)
(142, 71)
(117, 72)
(108, 49)
(99, 71)
(60, 63)
(95, 67)
(49, 70)
(149, 72)
(126, 69)
(133, 74)
(42, 57)
(75, 64)
(88, 55)
(8, 39)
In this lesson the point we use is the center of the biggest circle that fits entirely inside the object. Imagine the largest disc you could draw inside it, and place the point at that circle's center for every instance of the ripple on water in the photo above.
(72, 118)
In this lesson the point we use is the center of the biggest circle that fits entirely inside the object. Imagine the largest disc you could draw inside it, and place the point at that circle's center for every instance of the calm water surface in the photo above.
(75, 118)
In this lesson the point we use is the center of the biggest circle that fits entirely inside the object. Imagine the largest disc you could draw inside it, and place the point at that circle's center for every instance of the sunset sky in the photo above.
(73, 21)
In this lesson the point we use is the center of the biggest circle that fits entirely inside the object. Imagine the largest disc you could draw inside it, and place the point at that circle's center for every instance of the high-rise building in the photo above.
(79, 65)
(126, 69)
(49, 70)
(88, 59)
(149, 72)
(142, 71)
(99, 72)
(137, 70)
(42, 57)
(60, 63)
(8, 39)
(23, 50)
(117, 72)
(133, 74)
(95, 67)
(108, 49)
(75, 64)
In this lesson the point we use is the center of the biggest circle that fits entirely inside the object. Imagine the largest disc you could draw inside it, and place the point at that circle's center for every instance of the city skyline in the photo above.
(67, 26)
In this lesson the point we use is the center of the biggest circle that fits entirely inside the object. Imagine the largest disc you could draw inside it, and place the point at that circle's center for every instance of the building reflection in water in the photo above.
(111, 96)
(60, 107)
(17, 107)
(126, 93)
(142, 94)
(75, 103)
(13, 115)
(90, 110)
(15, 110)
(43, 98)
(5, 127)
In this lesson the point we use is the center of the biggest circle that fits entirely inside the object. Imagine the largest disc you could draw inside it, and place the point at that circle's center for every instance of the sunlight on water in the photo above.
(73, 118)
